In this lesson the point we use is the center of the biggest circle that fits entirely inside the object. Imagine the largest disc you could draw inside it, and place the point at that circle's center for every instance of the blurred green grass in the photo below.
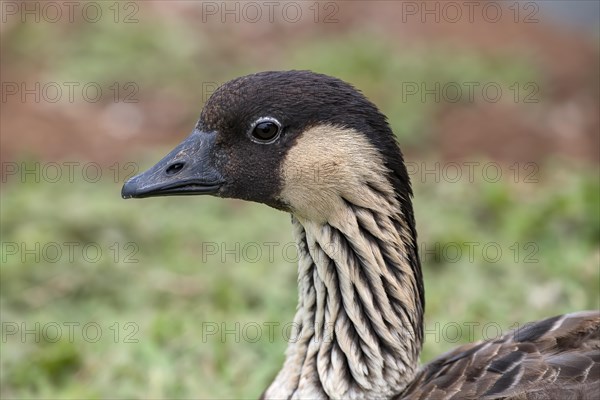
(176, 289)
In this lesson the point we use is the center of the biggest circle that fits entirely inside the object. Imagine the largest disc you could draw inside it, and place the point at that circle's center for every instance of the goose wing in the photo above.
(556, 358)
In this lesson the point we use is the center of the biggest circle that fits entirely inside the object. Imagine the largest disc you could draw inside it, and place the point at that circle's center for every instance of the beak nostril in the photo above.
(174, 168)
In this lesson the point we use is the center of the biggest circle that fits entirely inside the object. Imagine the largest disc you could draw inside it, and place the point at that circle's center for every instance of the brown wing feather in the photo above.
(556, 358)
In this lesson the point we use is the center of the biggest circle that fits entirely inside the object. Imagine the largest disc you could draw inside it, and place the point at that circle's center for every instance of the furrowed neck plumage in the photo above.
(360, 309)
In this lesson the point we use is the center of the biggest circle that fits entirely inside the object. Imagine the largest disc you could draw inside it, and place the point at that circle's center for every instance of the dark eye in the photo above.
(265, 130)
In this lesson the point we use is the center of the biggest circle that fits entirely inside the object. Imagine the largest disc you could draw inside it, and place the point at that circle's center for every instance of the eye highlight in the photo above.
(265, 130)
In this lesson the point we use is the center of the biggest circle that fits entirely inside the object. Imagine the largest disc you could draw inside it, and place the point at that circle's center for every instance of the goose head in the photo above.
(297, 141)
(315, 147)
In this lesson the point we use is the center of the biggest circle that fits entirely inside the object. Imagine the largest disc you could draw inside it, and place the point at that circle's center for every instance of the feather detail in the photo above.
(556, 358)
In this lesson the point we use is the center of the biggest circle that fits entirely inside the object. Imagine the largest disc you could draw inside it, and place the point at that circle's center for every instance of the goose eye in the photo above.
(265, 130)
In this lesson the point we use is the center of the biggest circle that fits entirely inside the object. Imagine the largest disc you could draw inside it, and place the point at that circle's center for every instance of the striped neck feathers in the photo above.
(359, 318)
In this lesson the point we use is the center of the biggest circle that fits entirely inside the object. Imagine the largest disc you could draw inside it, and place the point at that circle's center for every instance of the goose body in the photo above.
(313, 146)
(556, 358)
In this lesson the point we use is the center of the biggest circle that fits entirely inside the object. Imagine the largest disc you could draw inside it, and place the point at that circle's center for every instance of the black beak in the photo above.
(187, 170)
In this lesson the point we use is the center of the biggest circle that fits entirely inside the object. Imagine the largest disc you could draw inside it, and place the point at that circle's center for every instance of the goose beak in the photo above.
(187, 170)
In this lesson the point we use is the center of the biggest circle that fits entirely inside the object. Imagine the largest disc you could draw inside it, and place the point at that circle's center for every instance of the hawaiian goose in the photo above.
(359, 270)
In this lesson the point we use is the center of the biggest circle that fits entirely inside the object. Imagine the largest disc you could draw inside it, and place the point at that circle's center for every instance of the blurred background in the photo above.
(495, 105)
